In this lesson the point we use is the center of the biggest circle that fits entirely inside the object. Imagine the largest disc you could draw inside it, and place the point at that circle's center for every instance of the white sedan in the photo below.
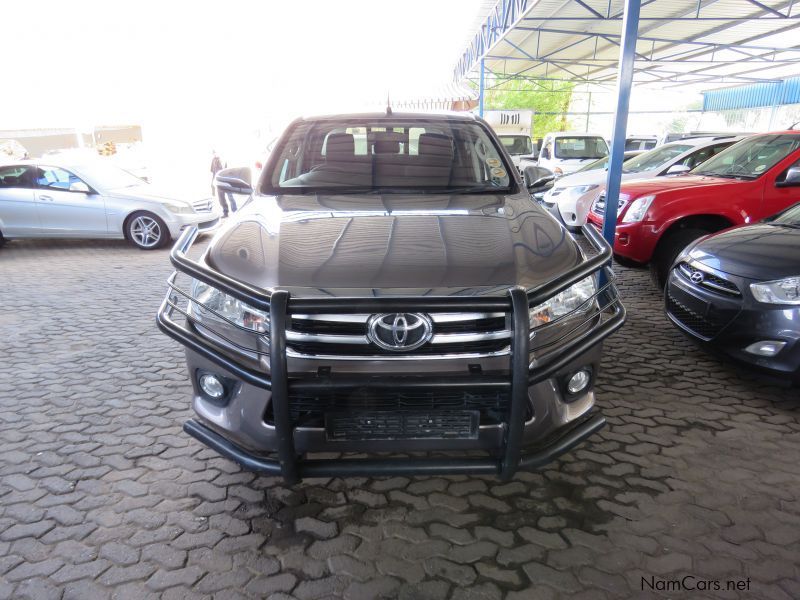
(94, 200)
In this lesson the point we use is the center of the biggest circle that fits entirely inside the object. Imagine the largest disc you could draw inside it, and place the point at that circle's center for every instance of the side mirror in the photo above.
(537, 178)
(678, 169)
(79, 186)
(545, 153)
(234, 181)
(792, 178)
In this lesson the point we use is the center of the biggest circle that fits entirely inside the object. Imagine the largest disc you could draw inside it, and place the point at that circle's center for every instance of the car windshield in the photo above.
(516, 144)
(602, 163)
(751, 157)
(388, 156)
(110, 177)
(655, 158)
(791, 216)
(581, 147)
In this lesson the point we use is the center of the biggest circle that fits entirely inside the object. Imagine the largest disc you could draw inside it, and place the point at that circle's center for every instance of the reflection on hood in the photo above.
(444, 244)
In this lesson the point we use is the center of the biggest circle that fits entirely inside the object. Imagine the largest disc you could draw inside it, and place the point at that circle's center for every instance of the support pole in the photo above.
(481, 91)
(630, 30)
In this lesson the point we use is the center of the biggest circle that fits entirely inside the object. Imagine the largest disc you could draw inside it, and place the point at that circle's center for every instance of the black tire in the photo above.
(2, 239)
(141, 226)
(667, 251)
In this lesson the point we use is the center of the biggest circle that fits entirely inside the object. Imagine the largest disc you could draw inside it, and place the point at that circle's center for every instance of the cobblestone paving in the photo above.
(102, 495)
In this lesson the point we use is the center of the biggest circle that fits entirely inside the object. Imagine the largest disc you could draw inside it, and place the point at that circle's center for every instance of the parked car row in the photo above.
(723, 238)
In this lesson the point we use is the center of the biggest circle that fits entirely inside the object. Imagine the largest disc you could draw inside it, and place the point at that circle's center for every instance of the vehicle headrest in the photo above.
(436, 145)
(340, 147)
(388, 142)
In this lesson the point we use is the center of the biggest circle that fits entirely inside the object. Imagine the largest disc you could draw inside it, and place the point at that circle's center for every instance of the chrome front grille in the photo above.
(708, 280)
(345, 336)
(201, 206)
(599, 206)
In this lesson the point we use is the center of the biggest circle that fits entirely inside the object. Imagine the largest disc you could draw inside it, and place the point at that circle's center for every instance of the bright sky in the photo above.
(222, 62)
(207, 74)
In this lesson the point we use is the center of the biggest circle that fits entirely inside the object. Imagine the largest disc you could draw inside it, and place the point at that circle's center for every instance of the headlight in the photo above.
(179, 209)
(580, 190)
(782, 291)
(573, 298)
(227, 307)
(638, 209)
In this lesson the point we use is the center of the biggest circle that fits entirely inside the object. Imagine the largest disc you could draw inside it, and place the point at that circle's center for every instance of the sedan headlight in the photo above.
(226, 308)
(179, 209)
(574, 298)
(638, 209)
(782, 291)
(580, 190)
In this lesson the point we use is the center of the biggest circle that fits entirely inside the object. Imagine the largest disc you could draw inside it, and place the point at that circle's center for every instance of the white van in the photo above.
(513, 127)
(566, 152)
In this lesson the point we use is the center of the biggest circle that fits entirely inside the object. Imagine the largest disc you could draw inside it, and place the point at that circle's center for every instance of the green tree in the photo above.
(542, 97)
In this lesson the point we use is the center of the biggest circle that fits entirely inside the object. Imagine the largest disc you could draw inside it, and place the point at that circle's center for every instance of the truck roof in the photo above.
(378, 116)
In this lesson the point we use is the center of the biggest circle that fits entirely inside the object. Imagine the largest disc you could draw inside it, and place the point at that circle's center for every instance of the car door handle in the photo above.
(48, 198)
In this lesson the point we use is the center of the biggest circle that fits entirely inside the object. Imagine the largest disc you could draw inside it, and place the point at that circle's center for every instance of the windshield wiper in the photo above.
(791, 225)
(724, 175)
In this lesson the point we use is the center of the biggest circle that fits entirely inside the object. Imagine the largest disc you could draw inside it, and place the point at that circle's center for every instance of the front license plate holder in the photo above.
(386, 425)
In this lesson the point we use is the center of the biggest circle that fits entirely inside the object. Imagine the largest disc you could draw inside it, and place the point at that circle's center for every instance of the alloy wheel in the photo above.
(145, 231)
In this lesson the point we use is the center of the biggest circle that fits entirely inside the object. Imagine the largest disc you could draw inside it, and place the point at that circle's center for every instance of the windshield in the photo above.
(655, 158)
(516, 144)
(791, 216)
(110, 177)
(387, 155)
(581, 147)
(751, 157)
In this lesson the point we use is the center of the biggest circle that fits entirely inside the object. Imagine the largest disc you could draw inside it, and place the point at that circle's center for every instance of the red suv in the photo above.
(742, 184)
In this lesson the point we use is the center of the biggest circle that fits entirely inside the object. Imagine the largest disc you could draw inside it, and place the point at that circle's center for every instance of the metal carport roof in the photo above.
(680, 42)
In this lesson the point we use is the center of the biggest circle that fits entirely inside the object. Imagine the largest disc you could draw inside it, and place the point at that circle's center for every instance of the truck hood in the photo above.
(392, 244)
(686, 183)
(761, 251)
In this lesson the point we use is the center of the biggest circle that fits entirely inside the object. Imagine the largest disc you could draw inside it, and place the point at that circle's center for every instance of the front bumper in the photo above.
(633, 241)
(240, 429)
(726, 325)
(206, 222)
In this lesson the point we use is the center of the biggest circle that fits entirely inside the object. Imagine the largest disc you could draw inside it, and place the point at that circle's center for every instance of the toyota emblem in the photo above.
(697, 277)
(399, 332)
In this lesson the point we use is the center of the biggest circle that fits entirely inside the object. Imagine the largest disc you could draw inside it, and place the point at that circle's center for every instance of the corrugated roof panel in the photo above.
(753, 96)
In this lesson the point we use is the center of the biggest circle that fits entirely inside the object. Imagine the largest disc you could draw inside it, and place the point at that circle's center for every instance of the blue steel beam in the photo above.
(481, 90)
(630, 29)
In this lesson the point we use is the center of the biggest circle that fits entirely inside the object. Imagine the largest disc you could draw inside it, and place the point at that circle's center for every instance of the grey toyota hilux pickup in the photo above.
(391, 301)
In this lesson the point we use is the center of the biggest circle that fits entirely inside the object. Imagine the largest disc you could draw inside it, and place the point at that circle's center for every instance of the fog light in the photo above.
(212, 386)
(579, 381)
(767, 348)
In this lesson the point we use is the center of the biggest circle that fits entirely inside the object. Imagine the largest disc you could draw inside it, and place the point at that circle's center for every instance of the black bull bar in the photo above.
(516, 301)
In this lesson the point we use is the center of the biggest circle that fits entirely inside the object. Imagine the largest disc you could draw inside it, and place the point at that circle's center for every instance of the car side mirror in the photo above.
(791, 179)
(234, 181)
(678, 169)
(537, 178)
(79, 186)
(545, 153)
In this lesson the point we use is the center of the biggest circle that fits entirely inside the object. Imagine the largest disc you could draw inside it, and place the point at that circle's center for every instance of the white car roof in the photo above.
(573, 134)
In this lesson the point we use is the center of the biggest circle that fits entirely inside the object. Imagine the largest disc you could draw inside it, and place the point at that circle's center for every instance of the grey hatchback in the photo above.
(392, 289)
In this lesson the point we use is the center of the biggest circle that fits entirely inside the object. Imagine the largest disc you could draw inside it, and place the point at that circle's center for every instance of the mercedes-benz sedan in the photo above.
(94, 200)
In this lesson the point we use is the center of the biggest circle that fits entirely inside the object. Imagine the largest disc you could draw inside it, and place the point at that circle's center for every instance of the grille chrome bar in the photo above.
(440, 338)
(435, 317)
(709, 280)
